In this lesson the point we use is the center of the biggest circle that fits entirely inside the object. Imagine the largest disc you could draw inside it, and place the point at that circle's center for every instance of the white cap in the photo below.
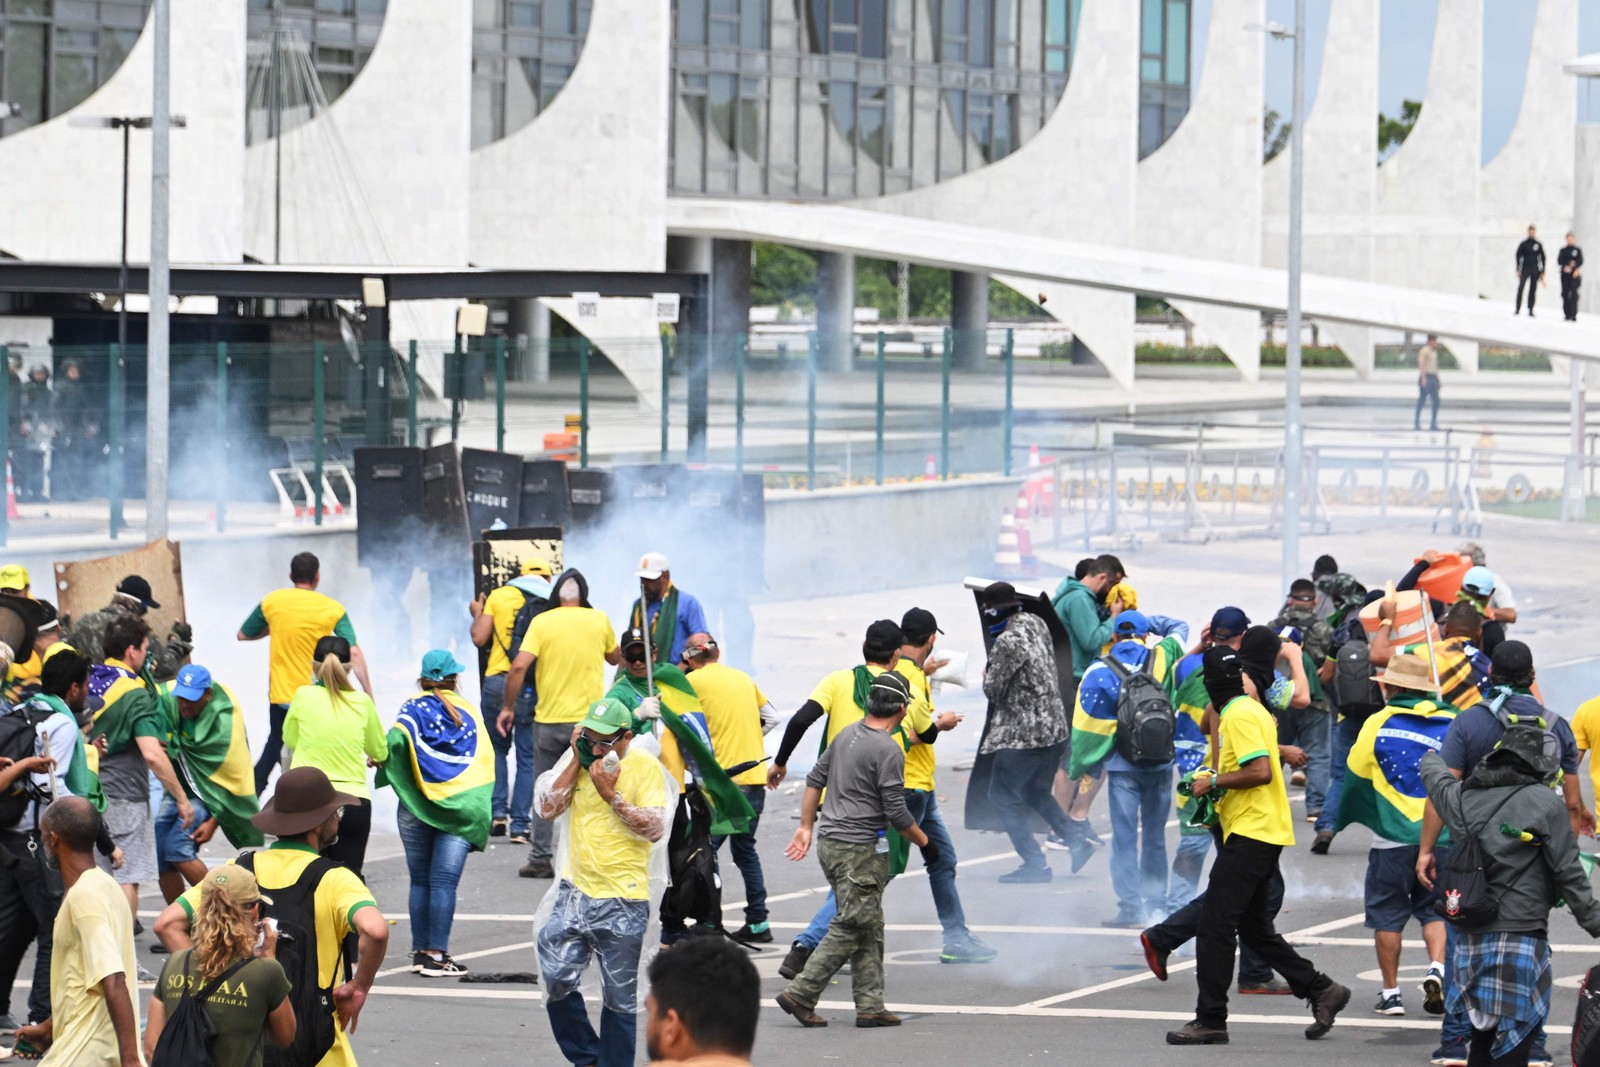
(652, 566)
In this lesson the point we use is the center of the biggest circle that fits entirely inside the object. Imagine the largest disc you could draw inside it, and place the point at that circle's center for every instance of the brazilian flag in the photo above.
(1094, 717)
(1189, 741)
(1383, 783)
(687, 743)
(215, 755)
(442, 770)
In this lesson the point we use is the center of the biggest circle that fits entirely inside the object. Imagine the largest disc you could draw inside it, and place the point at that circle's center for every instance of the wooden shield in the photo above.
(87, 585)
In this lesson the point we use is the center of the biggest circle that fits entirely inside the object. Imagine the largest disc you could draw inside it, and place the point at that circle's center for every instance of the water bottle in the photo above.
(883, 843)
(611, 762)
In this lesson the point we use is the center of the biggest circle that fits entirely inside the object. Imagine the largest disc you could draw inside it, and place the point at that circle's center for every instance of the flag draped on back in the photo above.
(215, 757)
(78, 776)
(1383, 785)
(442, 771)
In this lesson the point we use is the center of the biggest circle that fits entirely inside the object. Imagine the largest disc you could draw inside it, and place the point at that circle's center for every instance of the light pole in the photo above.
(1293, 428)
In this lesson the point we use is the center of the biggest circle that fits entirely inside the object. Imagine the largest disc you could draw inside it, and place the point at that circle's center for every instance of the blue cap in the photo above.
(1232, 620)
(439, 665)
(1478, 582)
(1132, 624)
(192, 682)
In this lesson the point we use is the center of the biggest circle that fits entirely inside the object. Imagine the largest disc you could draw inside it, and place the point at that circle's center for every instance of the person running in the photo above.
(333, 726)
(613, 853)
(232, 969)
(1463, 667)
(94, 1019)
(1256, 828)
(494, 620)
(441, 767)
(865, 768)
(675, 618)
(295, 619)
(567, 647)
(738, 715)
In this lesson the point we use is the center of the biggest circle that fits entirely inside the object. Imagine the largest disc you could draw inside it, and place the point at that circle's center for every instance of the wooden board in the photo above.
(497, 558)
(87, 585)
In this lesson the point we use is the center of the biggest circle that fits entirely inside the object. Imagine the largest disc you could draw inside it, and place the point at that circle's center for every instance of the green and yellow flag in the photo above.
(214, 756)
(1383, 785)
(442, 770)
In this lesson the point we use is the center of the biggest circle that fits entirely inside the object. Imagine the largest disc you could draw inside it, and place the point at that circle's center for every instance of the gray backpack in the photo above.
(1146, 720)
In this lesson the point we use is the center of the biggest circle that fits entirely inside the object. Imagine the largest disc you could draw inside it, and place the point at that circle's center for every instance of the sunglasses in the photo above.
(634, 656)
(600, 744)
(1303, 599)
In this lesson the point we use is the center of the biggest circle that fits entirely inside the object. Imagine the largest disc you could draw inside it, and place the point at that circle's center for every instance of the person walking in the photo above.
(494, 620)
(674, 618)
(1530, 269)
(1569, 261)
(1088, 624)
(864, 769)
(612, 861)
(441, 766)
(1256, 827)
(231, 970)
(333, 726)
(567, 648)
(1428, 381)
(94, 1019)
(295, 619)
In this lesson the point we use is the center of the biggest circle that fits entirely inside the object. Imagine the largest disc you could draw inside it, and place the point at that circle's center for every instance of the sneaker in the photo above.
(138, 928)
(1297, 778)
(537, 869)
(440, 966)
(1390, 1005)
(1323, 842)
(1082, 853)
(1085, 828)
(1026, 873)
(967, 949)
(795, 961)
(1195, 1032)
(1433, 992)
(879, 1018)
(1538, 1057)
(1450, 1054)
(144, 973)
(1057, 843)
(418, 960)
(1272, 987)
(8, 1024)
(498, 827)
(1154, 958)
(803, 1015)
(158, 949)
(1325, 1007)
(1313, 816)
(753, 934)
(518, 837)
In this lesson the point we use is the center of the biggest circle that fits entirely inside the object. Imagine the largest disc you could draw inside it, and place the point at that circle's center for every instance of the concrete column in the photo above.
(836, 310)
(694, 322)
(969, 319)
(530, 318)
(730, 299)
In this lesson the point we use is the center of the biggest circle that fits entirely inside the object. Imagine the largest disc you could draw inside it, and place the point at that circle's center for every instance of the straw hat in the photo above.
(1408, 670)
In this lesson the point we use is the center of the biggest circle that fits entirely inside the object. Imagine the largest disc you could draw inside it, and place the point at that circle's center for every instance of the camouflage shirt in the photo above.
(1318, 635)
(1024, 691)
(1339, 593)
(167, 653)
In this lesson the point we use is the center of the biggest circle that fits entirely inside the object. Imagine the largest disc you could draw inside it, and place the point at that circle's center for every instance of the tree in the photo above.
(783, 276)
(1392, 132)
(1274, 134)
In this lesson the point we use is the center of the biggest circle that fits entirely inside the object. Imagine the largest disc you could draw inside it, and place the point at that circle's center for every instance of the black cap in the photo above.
(332, 645)
(884, 637)
(1511, 659)
(918, 625)
(631, 637)
(137, 587)
(892, 682)
(1000, 595)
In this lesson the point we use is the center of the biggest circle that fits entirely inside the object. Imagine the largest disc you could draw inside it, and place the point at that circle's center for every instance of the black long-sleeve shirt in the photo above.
(1569, 259)
(1530, 257)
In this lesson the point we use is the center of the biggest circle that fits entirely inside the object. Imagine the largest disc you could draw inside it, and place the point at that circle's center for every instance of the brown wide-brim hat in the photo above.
(1408, 670)
(302, 801)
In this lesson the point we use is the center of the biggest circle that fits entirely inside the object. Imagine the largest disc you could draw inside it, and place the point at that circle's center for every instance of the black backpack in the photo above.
(1146, 721)
(695, 891)
(187, 1038)
(1464, 897)
(19, 739)
(1352, 688)
(1516, 712)
(531, 606)
(294, 907)
(1586, 1024)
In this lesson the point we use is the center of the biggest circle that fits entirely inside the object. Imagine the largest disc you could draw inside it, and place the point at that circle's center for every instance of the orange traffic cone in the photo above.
(1007, 560)
(1024, 536)
(930, 469)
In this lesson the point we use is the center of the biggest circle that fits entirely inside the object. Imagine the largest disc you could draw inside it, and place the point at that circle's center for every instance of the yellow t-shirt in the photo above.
(920, 760)
(296, 619)
(835, 695)
(339, 896)
(605, 859)
(1586, 728)
(502, 606)
(336, 737)
(569, 644)
(732, 704)
(93, 940)
(1246, 732)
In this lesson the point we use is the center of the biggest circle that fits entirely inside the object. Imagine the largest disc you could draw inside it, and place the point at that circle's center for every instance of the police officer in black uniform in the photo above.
(1569, 262)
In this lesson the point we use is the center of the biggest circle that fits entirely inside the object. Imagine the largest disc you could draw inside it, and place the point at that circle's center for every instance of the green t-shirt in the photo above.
(239, 1007)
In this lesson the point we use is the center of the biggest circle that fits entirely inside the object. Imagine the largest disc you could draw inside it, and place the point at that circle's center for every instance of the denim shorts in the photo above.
(173, 843)
(1393, 894)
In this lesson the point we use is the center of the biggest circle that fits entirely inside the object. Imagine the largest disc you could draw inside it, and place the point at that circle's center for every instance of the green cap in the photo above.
(607, 717)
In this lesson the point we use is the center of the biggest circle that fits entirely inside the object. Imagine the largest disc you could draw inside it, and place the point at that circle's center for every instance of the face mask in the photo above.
(586, 754)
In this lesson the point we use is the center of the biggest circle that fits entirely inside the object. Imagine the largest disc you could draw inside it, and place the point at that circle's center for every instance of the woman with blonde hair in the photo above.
(333, 726)
(232, 969)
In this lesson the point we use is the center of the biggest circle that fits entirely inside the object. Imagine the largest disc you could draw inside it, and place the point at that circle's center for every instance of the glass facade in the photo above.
(1165, 32)
(54, 53)
(340, 35)
(523, 52)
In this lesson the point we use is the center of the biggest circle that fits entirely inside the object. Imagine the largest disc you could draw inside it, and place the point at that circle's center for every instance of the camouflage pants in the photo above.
(858, 873)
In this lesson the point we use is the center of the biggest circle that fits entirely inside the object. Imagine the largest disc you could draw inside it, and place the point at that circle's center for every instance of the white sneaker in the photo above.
(441, 966)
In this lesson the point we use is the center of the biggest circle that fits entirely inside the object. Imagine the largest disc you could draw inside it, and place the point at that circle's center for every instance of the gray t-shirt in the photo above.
(864, 772)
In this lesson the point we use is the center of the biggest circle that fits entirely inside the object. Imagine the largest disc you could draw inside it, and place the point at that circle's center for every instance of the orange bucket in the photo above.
(1410, 619)
(1442, 580)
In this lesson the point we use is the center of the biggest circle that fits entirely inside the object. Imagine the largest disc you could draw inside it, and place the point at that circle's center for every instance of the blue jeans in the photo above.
(1344, 736)
(745, 857)
(1187, 864)
(924, 807)
(1311, 729)
(613, 930)
(1139, 800)
(434, 860)
(173, 843)
(521, 735)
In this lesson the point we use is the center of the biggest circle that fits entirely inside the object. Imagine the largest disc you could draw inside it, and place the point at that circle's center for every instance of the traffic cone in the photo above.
(11, 495)
(930, 469)
(1033, 455)
(1482, 466)
(1024, 536)
(1007, 560)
